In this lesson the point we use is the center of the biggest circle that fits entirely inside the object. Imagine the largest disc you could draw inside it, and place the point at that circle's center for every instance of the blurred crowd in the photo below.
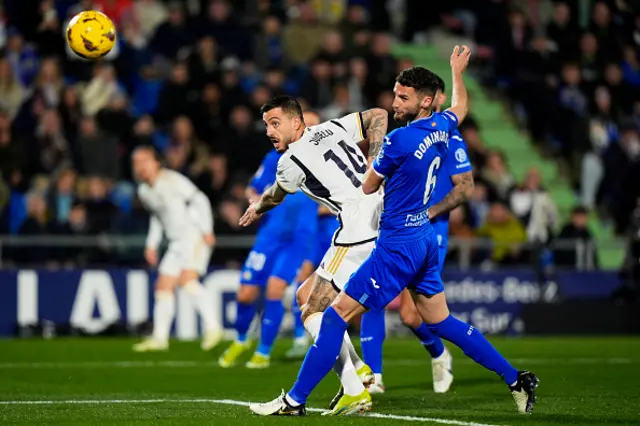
(188, 77)
(571, 69)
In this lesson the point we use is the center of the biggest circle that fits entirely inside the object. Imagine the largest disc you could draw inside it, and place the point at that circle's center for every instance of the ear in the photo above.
(426, 102)
(297, 122)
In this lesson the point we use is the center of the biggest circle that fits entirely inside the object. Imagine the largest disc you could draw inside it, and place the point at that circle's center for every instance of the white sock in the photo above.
(355, 359)
(203, 304)
(343, 366)
(378, 378)
(164, 310)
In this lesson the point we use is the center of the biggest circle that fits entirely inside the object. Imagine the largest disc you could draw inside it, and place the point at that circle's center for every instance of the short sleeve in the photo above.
(450, 120)
(265, 175)
(390, 156)
(457, 159)
(289, 177)
(353, 125)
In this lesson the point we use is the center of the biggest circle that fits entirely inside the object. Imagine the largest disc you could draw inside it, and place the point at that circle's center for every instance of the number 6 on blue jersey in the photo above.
(431, 179)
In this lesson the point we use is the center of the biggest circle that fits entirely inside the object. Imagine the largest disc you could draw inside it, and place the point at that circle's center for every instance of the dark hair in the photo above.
(290, 106)
(441, 86)
(421, 79)
(150, 149)
(579, 210)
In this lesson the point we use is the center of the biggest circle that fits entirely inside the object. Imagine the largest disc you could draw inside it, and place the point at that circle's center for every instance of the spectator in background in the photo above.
(317, 88)
(35, 224)
(631, 67)
(183, 139)
(102, 88)
(303, 34)
(49, 82)
(268, 46)
(623, 94)
(48, 30)
(174, 34)
(247, 146)
(603, 131)
(74, 224)
(175, 97)
(150, 14)
(23, 58)
(341, 104)
(478, 204)
(97, 151)
(562, 30)
(213, 180)
(12, 94)
(506, 233)
(100, 209)
(49, 152)
(12, 153)
(535, 209)
(62, 195)
(497, 176)
(582, 253)
(202, 63)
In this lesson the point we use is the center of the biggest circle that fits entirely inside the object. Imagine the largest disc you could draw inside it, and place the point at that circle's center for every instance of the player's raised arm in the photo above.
(459, 100)
(375, 122)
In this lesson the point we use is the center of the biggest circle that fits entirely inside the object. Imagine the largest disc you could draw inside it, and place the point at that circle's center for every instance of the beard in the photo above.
(404, 117)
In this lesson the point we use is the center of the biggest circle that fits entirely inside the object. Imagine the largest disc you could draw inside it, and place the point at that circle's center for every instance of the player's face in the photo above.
(280, 128)
(144, 165)
(407, 103)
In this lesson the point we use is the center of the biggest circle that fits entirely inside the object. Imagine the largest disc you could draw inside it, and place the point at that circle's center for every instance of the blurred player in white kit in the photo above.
(183, 213)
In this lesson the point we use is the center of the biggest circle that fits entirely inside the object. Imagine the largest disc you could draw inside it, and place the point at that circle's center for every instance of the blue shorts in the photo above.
(327, 226)
(442, 252)
(269, 258)
(393, 267)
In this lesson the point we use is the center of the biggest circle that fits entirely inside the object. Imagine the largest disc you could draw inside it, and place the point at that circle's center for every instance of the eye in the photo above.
(276, 124)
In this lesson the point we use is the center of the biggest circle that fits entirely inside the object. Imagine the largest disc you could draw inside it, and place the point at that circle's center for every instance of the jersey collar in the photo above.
(420, 119)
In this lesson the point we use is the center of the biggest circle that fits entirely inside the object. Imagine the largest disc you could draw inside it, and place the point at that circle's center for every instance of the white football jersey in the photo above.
(177, 207)
(327, 165)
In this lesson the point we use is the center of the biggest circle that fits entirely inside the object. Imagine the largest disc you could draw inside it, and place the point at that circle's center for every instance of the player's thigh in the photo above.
(433, 309)
(288, 261)
(409, 314)
(169, 269)
(428, 280)
(303, 291)
(340, 262)
(380, 279)
(276, 288)
(258, 265)
(321, 294)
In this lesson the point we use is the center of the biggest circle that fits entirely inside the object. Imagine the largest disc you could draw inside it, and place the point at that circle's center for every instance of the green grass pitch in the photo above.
(584, 381)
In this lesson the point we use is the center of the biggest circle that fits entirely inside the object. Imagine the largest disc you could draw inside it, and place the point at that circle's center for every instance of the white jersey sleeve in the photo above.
(198, 205)
(154, 236)
(289, 176)
(353, 125)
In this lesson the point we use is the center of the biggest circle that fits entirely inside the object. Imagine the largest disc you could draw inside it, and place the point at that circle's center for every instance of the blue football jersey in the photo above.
(410, 160)
(455, 162)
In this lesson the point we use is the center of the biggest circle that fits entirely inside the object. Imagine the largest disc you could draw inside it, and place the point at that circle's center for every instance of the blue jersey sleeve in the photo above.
(390, 156)
(457, 159)
(450, 120)
(265, 176)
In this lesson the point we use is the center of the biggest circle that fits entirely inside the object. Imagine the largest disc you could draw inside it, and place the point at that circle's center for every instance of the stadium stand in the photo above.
(188, 78)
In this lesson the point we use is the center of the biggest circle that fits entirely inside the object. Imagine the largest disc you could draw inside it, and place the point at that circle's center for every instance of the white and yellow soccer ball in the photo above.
(91, 34)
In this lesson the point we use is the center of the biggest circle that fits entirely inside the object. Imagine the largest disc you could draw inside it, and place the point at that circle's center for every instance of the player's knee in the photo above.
(276, 288)
(247, 293)
(187, 277)
(166, 283)
(410, 318)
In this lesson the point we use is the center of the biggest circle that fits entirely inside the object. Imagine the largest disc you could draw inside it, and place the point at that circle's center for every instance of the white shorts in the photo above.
(359, 221)
(188, 255)
(339, 262)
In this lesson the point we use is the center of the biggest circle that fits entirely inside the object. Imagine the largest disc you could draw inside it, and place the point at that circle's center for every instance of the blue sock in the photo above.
(372, 333)
(475, 346)
(298, 326)
(271, 320)
(320, 357)
(244, 316)
(431, 342)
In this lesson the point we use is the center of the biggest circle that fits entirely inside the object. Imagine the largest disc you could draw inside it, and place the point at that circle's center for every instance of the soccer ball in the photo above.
(91, 34)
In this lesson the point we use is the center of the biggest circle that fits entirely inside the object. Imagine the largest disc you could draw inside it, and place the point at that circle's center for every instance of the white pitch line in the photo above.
(231, 402)
(391, 362)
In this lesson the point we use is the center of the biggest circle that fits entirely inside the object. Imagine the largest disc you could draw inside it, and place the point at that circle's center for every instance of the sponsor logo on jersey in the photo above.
(417, 219)
(318, 136)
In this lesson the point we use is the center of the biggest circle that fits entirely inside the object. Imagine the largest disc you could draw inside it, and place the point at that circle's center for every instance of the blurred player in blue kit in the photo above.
(453, 187)
(406, 250)
(327, 227)
(284, 241)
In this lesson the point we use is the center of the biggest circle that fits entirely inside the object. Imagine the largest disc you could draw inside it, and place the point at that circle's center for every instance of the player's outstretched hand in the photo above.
(249, 216)
(151, 256)
(460, 59)
(209, 240)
